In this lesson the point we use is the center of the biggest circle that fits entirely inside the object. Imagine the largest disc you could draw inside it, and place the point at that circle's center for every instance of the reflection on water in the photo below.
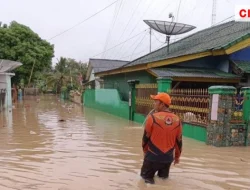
(94, 150)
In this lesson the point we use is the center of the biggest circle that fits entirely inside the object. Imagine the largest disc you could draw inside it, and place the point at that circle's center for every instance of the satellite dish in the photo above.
(169, 28)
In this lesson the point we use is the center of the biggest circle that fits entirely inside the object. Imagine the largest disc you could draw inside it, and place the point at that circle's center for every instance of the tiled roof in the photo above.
(244, 66)
(213, 38)
(192, 72)
(100, 65)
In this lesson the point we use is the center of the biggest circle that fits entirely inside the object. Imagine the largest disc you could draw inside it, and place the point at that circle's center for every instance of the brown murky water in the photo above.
(94, 150)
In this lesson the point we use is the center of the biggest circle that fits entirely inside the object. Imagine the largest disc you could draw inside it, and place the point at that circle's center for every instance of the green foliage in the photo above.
(66, 75)
(20, 43)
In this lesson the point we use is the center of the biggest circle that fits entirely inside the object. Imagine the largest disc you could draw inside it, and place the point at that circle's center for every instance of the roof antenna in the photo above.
(171, 16)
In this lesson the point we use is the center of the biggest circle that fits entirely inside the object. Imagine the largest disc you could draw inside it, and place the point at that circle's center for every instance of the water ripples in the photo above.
(94, 150)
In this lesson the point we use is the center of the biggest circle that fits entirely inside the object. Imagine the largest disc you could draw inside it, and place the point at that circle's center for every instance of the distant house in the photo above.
(100, 65)
(217, 55)
(6, 67)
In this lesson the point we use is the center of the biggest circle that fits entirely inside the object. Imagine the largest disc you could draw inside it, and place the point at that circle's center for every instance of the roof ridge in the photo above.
(108, 59)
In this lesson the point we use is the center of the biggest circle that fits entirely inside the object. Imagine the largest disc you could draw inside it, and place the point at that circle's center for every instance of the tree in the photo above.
(20, 43)
(67, 74)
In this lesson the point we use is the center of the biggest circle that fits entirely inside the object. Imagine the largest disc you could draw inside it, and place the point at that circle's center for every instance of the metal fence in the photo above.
(143, 102)
(31, 91)
(191, 105)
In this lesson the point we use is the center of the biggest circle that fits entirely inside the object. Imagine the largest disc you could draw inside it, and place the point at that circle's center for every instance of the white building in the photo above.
(6, 67)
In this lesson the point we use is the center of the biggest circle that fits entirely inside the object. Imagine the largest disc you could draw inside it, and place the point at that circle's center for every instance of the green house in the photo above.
(208, 57)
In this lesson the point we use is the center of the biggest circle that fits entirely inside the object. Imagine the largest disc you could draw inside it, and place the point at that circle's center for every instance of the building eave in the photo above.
(239, 46)
(229, 49)
(155, 64)
(8, 74)
(201, 79)
(7, 66)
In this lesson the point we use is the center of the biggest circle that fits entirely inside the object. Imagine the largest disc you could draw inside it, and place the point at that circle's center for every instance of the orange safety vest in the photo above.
(162, 135)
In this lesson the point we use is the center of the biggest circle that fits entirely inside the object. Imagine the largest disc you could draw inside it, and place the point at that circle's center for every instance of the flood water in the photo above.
(94, 150)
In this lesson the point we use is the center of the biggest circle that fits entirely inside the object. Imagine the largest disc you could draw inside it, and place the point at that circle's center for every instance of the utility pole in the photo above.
(31, 73)
(214, 12)
(150, 41)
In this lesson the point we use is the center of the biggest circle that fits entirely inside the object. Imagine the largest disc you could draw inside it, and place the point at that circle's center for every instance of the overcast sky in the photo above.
(121, 21)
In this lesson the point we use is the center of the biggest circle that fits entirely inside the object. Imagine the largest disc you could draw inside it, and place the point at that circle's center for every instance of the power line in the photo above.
(178, 11)
(83, 20)
(125, 52)
(121, 43)
(130, 19)
(157, 38)
(141, 17)
(192, 11)
(180, 38)
(129, 22)
(224, 20)
(197, 19)
(138, 45)
(112, 25)
(150, 4)
(163, 10)
(147, 47)
(142, 51)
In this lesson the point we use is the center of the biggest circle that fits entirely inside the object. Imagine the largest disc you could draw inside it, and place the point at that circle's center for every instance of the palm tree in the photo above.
(59, 76)
(66, 73)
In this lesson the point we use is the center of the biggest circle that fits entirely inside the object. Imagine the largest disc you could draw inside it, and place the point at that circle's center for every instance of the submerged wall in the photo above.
(106, 100)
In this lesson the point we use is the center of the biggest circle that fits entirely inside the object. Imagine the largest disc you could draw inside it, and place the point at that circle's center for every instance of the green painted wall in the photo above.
(195, 132)
(109, 101)
(106, 100)
(119, 81)
(139, 118)
(191, 131)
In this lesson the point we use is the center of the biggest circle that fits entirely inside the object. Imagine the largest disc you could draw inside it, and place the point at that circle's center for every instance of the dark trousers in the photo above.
(149, 169)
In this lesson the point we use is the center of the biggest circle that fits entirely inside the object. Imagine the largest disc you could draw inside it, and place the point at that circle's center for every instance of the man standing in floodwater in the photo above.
(162, 136)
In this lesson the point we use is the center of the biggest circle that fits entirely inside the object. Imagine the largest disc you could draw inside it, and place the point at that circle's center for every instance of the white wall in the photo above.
(5, 83)
(92, 76)
(2, 81)
(97, 84)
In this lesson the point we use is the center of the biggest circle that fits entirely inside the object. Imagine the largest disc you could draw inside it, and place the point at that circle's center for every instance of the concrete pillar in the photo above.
(8, 99)
(221, 105)
(164, 84)
(246, 104)
(132, 96)
(246, 113)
